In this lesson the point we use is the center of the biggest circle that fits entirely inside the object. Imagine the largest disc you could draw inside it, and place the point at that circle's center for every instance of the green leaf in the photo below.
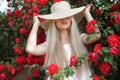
(105, 49)
(94, 35)
(111, 31)
(88, 38)
(105, 33)
(108, 59)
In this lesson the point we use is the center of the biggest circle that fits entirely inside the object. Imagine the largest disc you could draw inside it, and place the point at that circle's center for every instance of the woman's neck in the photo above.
(64, 36)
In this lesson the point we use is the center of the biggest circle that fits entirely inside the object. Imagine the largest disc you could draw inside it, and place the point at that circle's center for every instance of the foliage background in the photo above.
(14, 30)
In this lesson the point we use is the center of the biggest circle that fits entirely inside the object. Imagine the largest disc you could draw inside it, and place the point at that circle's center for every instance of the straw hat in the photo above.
(60, 10)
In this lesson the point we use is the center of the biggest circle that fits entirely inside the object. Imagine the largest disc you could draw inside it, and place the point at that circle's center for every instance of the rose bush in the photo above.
(16, 25)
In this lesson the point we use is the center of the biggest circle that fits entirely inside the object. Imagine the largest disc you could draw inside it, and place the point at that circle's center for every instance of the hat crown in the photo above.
(60, 6)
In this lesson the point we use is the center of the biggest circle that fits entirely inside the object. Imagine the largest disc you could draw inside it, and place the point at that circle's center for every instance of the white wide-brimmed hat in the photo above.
(61, 10)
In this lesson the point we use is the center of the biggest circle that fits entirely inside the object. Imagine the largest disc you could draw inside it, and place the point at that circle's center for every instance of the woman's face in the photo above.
(63, 24)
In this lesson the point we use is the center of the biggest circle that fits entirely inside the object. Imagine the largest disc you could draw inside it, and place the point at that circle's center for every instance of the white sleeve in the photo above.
(82, 35)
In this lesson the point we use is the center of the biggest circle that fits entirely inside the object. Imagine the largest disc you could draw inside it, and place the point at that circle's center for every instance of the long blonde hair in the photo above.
(55, 52)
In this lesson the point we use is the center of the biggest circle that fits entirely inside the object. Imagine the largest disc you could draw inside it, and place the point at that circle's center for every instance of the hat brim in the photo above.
(60, 15)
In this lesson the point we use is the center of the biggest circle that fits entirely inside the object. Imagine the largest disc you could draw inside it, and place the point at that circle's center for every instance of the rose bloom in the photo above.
(20, 60)
(29, 12)
(35, 73)
(97, 11)
(8, 4)
(35, 8)
(41, 60)
(2, 76)
(8, 12)
(25, 16)
(115, 7)
(96, 77)
(17, 13)
(56, 1)
(23, 32)
(52, 69)
(2, 67)
(92, 57)
(17, 40)
(90, 26)
(113, 40)
(42, 2)
(10, 68)
(104, 68)
(73, 60)
(114, 51)
(18, 50)
(30, 61)
(97, 48)
(19, 69)
(10, 23)
(27, 78)
(117, 18)
(96, 64)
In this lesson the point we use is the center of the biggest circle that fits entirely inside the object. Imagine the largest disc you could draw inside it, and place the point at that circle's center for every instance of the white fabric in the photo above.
(85, 71)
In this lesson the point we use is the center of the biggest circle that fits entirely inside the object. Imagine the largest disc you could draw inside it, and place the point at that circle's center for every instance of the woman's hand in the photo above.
(35, 19)
(87, 9)
(87, 13)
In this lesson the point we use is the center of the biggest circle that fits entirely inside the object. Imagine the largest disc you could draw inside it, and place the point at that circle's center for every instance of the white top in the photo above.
(85, 75)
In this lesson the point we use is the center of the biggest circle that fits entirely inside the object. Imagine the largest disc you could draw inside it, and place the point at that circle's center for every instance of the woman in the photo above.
(63, 37)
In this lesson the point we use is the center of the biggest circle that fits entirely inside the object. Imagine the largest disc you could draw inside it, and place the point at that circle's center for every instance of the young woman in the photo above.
(63, 38)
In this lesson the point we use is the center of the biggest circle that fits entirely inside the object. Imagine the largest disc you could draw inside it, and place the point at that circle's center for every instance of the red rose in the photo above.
(25, 16)
(23, 32)
(13, 72)
(29, 12)
(8, 12)
(35, 73)
(97, 11)
(56, 1)
(10, 68)
(96, 77)
(42, 2)
(117, 18)
(52, 69)
(96, 64)
(20, 60)
(8, 4)
(2, 76)
(27, 22)
(25, 1)
(17, 40)
(2, 67)
(115, 7)
(10, 23)
(113, 13)
(113, 40)
(97, 48)
(114, 51)
(29, 61)
(35, 60)
(92, 56)
(90, 26)
(73, 60)
(17, 13)
(104, 68)
(41, 60)
(17, 50)
(10, 77)
(27, 78)
(19, 68)
(35, 8)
